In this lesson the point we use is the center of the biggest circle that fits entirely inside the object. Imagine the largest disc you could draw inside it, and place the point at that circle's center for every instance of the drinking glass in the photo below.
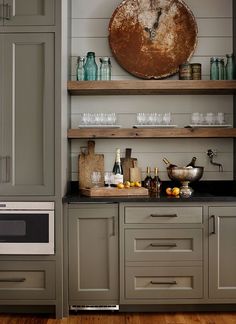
(220, 118)
(96, 178)
(167, 118)
(108, 178)
(210, 118)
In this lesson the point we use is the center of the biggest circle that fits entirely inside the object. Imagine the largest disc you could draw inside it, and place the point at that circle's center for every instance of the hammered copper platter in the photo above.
(151, 38)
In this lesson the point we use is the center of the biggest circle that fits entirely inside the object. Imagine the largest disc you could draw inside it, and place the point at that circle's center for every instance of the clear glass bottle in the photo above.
(148, 179)
(105, 68)
(214, 70)
(117, 169)
(80, 68)
(229, 68)
(156, 183)
(90, 67)
(221, 65)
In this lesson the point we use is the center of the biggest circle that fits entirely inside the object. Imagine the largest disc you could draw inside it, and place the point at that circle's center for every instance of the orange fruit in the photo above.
(175, 191)
(127, 184)
(120, 185)
(137, 184)
(169, 191)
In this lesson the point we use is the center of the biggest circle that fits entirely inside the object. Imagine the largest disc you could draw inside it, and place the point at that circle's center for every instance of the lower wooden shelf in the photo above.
(151, 133)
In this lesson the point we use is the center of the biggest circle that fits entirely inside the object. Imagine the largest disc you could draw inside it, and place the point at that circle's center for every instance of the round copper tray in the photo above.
(151, 38)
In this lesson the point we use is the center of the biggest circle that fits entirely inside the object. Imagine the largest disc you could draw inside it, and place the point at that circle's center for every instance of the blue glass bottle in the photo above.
(214, 71)
(90, 67)
(229, 68)
(80, 69)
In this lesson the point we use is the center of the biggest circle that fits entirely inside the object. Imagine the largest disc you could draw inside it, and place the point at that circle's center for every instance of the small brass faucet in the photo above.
(211, 154)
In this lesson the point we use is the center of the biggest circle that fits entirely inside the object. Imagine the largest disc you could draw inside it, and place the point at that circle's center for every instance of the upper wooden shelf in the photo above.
(147, 87)
(151, 133)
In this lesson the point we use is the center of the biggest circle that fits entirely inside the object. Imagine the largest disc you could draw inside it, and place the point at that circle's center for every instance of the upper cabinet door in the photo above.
(27, 12)
(27, 114)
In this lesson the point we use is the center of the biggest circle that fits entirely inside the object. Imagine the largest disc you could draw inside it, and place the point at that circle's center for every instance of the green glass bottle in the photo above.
(229, 68)
(90, 67)
(214, 71)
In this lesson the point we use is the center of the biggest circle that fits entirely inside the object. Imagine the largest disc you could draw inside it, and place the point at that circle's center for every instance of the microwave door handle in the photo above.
(12, 279)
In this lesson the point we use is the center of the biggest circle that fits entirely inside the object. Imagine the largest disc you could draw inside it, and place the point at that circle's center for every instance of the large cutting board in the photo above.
(87, 163)
(127, 162)
(113, 192)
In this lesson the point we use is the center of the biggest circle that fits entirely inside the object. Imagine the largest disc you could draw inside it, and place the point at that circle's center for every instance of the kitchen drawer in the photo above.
(163, 282)
(163, 244)
(27, 280)
(163, 215)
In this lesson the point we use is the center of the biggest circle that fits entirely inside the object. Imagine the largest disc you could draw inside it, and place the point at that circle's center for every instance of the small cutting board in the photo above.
(135, 173)
(127, 162)
(87, 163)
(114, 192)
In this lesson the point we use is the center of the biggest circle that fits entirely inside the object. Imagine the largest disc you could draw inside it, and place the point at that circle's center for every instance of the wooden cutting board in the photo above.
(87, 163)
(135, 173)
(127, 162)
(114, 192)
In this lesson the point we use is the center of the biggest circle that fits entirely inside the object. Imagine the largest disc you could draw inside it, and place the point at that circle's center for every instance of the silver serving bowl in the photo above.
(185, 174)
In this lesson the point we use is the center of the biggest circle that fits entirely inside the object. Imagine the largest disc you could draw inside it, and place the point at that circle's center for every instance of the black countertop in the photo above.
(204, 191)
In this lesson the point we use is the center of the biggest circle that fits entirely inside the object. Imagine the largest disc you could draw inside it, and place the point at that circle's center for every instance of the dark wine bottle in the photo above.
(117, 169)
(156, 182)
(148, 179)
(192, 162)
(169, 165)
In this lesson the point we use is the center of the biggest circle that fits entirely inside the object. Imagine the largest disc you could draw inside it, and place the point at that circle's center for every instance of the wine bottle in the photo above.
(156, 182)
(192, 163)
(148, 179)
(169, 165)
(117, 169)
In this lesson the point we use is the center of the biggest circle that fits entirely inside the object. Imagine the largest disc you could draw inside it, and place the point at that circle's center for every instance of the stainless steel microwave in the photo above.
(27, 228)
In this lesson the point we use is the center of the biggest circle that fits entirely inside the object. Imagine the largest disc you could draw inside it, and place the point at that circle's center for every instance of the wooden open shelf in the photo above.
(147, 87)
(151, 133)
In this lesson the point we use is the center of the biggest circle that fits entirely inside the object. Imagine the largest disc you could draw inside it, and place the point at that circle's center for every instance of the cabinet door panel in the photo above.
(93, 255)
(29, 12)
(222, 252)
(28, 114)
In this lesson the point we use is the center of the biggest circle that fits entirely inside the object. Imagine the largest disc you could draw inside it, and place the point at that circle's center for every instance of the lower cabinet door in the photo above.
(163, 282)
(27, 280)
(93, 255)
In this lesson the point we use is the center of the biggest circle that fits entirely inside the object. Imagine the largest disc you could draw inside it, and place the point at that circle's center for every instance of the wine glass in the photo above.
(108, 178)
(96, 178)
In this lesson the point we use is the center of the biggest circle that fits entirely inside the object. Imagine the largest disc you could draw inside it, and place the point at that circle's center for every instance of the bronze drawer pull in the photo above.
(213, 217)
(163, 282)
(163, 245)
(167, 215)
(12, 279)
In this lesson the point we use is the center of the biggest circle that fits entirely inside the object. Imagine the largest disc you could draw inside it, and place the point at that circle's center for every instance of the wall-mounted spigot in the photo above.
(211, 154)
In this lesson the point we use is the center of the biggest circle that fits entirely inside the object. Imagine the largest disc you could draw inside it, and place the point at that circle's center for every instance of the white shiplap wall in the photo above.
(89, 33)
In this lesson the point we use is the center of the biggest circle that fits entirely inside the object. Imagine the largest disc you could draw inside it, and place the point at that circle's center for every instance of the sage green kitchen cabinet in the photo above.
(27, 114)
(27, 12)
(222, 252)
(93, 254)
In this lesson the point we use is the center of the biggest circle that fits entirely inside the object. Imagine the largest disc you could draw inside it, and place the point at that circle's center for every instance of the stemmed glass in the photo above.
(108, 178)
(96, 178)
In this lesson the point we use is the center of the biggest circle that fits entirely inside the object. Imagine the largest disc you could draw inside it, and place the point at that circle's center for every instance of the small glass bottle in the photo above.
(80, 68)
(214, 70)
(90, 67)
(221, 65)
(105, 68)
(148, 179)
(229, 68)
(156, 183)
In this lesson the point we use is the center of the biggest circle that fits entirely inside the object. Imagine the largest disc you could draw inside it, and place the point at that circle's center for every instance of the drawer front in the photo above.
(163, 215)
(163, 282)
(27, 280)
(163, 244)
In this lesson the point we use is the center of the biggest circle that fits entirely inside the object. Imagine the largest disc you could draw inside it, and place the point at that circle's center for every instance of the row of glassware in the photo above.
(208, 118)
(153, 118)
(98, 119)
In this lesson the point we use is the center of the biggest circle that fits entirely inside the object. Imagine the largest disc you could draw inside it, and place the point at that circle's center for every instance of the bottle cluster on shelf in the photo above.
(219, 70)
(87, 69)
